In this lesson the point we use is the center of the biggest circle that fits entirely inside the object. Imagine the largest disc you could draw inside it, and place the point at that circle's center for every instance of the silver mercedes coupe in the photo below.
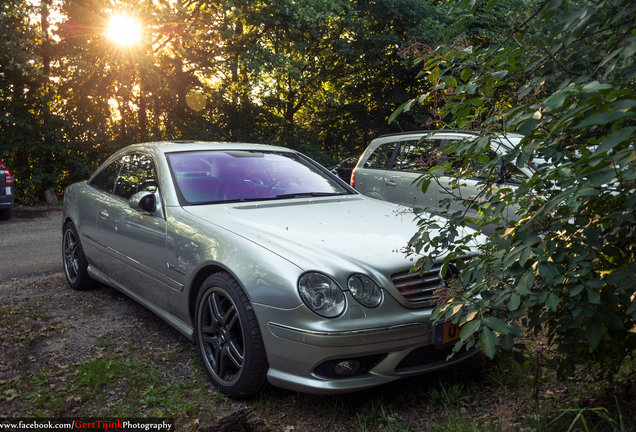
(277, 269)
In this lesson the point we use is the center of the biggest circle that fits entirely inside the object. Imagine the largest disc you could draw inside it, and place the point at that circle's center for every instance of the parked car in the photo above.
(390, 165)
(278, 270)
(7, 195)
(345, 168)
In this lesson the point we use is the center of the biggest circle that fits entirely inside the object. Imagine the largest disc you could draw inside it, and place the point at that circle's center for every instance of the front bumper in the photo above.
(302, 359)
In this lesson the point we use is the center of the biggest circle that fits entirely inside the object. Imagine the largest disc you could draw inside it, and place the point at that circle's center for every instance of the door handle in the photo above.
(390, 183)
(103, 214)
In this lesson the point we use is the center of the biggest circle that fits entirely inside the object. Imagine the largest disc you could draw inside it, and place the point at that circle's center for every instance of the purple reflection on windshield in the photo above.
(218, 176)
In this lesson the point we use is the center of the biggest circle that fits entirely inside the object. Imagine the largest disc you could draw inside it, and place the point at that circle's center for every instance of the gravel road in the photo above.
(31, 242)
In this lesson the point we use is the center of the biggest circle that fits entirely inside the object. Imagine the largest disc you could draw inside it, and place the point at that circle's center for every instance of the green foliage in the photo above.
(562, 75)
(579, 422)
(319, 76)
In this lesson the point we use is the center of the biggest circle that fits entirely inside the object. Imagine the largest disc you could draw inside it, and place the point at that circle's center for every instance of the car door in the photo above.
(133, 241)
(414, 157)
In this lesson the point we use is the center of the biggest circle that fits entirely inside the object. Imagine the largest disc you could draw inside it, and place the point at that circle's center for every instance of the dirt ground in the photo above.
(47, 328)
(31, 241)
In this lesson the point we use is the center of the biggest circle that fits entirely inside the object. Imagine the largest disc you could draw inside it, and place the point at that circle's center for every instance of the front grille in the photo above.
(416, 289)
(420, 290)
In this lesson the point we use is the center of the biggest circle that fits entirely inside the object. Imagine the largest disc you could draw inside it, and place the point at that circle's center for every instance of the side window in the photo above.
(416, 155)
(511, 174)
(381, 157)
(475, 165)
(105, 180)
(137, 174)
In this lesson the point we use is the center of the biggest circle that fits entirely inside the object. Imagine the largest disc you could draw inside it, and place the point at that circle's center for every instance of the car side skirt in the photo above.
(179, 325)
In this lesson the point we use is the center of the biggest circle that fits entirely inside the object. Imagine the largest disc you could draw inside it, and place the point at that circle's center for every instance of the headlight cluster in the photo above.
(323, 295)
(364, 290)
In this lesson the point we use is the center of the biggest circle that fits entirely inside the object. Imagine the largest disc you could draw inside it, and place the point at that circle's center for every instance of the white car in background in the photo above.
(389, 167)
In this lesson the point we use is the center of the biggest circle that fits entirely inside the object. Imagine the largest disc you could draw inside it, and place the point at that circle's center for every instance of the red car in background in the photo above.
(6, 192)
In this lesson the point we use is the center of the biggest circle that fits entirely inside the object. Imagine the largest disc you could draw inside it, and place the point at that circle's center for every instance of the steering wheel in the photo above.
(281, 180)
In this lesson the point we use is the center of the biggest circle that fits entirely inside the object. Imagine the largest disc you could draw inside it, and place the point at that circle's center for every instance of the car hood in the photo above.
(352, 233)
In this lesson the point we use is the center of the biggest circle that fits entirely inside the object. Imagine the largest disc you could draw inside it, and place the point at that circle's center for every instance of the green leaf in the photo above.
(507, 342)
(526, 283)
(450, 80)
(602, 177)
(593, 297)
(465, 74)
(603, 118)
(487, 342)
(497, 324)
(468, 329)
(548, 271)
(614, 139)
(594, 334)
(552, 302)
(513, 303)
(595, 87)
(588, 192)
(629, 50)
(491, 4)
(612, 320)
(557, 100)
(577, 289)
(437, 171)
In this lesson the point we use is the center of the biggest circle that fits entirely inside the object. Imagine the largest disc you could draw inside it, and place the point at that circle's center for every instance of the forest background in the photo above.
(319, 76)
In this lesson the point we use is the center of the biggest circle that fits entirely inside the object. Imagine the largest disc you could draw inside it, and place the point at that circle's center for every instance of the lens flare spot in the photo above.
(124, 30)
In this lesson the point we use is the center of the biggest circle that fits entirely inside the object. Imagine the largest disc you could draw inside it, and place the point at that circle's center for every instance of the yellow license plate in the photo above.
(447, 332)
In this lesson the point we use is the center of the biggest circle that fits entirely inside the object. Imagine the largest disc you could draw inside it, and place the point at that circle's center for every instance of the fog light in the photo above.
(347, 367)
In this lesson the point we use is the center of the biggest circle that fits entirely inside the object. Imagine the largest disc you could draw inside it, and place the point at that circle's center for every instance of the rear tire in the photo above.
(5, 214)
(75, 263)
(229, 339)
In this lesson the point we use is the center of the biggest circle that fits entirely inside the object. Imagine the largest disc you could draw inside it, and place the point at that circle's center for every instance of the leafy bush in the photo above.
(564, 77)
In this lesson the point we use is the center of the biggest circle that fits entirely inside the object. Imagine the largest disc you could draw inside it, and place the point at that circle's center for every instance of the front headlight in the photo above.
(364, 290)
(321, 294)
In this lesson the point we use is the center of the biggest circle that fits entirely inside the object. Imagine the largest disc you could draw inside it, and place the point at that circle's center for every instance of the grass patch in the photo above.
(447, 396)
(132, 387)
(456, 422)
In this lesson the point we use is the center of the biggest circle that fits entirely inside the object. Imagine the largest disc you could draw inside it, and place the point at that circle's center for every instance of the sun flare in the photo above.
(124, 30)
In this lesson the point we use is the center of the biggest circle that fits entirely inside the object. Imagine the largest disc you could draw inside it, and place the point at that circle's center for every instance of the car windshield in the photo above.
(213, 176)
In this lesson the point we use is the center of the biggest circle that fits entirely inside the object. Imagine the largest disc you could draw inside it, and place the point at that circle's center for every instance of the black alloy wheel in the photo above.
(229, 339)
(75, 263)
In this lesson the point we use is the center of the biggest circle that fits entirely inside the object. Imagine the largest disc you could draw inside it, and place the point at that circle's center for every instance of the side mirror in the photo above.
(143, 201)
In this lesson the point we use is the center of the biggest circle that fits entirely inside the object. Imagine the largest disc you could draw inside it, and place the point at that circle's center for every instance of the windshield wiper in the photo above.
(308, 194)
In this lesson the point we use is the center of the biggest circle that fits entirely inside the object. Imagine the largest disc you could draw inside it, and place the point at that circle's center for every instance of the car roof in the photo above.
(182, 145)
(445, 132)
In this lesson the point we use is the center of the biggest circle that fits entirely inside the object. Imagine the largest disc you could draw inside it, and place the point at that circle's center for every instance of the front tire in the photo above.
(229, 339)
(75, 263)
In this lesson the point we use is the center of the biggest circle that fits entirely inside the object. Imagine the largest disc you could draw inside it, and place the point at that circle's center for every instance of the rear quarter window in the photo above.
(420, 156)
(381, 157)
